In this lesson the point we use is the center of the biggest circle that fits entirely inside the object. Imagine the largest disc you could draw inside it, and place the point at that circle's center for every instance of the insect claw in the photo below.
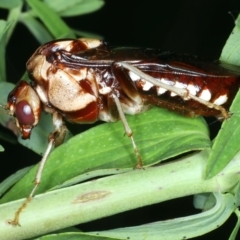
(139, 166)
(15, 221)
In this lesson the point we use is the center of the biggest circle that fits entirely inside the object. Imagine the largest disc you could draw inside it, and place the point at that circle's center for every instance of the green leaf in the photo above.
(231, 50)
(11, 180)
(229, 138)
(51, 20)
(1, 149)
(226, 144)
(36, 28)
(74, 7)
(9, 4)
(4, 27)
(5, 119)
(5, 89)
(87, 34)
(158, 133)
(12, 19)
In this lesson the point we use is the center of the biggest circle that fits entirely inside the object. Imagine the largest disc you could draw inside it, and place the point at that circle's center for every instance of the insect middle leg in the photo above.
(128, 131)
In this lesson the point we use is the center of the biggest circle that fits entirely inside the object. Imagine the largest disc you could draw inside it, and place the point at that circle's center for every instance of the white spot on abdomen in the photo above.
(134, 76)
(205, 95)
(147, 86)
(179, 85)
(173, 94)
(166, 81)
(192, 89)
(221, 100)
(160, 90)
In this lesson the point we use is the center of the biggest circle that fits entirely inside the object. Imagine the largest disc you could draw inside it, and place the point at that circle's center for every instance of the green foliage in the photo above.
(103, 152)
(226, 145)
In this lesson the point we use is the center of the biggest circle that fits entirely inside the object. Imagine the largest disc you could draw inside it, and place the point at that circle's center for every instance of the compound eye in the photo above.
(24, 113)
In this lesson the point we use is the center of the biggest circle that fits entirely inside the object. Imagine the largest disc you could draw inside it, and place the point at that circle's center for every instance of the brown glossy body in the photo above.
(220, 79)
(78, 79)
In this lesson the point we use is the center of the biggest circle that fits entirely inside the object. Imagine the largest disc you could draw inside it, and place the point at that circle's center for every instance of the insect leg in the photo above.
(184, 93)
(55, 138)
(128, 131)
(37, 179)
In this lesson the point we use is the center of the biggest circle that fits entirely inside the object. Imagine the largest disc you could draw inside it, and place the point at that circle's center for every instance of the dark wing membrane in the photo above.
(155, 59)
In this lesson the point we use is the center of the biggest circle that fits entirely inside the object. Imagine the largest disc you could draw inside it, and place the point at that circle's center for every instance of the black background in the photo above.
(184, 26)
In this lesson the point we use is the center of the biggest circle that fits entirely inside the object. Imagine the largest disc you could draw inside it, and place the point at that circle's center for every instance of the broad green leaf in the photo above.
(4, 27)
(51, 20)
(5, 89)
(87, 34)
(110, 195)
(226, 144)
(11, 180)
(74, 7)
(5, 119)
(9, 4)
(158, 133)
(12, 20)
(1, 149)
(231, 50)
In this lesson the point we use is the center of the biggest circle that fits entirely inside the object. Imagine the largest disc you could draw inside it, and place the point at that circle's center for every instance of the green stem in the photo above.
(114, 194)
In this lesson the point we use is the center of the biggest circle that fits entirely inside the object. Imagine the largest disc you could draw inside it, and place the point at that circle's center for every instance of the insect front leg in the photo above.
(182, 92)
(55, 138)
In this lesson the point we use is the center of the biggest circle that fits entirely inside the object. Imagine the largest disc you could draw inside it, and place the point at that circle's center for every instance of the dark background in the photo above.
(184, 26)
